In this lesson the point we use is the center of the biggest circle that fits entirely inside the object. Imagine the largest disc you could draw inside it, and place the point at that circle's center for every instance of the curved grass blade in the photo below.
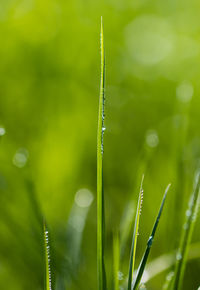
(187, 230)
(116, 254)
(100, 195)
(149, 244)
(135, 236)
(48, 285)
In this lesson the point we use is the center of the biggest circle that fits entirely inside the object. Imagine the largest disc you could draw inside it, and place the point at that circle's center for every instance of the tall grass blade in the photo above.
(100, 195)
(48, 285)
(116, 254)
(149, 244)
(187, 230)
(135, 236)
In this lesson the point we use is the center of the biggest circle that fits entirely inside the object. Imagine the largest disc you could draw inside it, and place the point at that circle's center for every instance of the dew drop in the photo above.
(2, 131)
(120, 275)
(150, 241)
(178, 257)
(188, 213)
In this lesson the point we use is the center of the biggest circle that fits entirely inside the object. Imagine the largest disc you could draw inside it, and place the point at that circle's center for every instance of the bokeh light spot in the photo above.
(20, 158)
(184, 92)
(83, 197)
(152, 138)
(149, 39)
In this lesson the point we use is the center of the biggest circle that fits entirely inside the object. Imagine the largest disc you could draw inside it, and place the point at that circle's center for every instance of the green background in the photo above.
(49, 90)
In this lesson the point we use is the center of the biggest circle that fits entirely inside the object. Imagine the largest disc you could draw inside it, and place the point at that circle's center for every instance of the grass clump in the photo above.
(133, 282)
(149, 244)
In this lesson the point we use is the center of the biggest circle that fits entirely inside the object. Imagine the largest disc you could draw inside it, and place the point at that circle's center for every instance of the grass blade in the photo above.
(116, 254)
(100, 196)
(187, 230)
(149, 244)
(48, 285)
(135, 236)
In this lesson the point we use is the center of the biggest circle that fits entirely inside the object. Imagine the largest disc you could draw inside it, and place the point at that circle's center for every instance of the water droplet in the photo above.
(142, 286)
(20, 158)
(102, 149)
(84, 197)
(120, 275)
(2, 131)
(178, 256)
(170, 275)
(188, 213)
(152, 138)
(150, 241)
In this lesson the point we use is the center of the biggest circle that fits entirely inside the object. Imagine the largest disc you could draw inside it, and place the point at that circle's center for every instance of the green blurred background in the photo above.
(49, 88)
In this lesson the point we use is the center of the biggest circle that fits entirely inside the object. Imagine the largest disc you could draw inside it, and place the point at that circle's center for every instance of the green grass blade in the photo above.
(116, 254)
(187, 230)
(48, 285)
(149, 244)
(135, 236)
(100, 194)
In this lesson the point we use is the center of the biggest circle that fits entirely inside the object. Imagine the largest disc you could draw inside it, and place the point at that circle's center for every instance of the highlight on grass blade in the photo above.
(149, 244)
(48, 284)
(187, 230)
(135, 236)
(100, 196)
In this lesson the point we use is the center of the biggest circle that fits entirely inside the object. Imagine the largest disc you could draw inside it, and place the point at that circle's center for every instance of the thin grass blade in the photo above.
(48, 284)
(187, 230)
(149, 244)
(135, 236)
(116, 255)
(100, 195)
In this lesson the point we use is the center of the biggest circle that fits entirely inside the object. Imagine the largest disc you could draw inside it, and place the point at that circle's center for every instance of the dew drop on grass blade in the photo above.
(169, 281)
(48, 284)
(149, 244)
(100, 195)
(186, 235)
(135, 236)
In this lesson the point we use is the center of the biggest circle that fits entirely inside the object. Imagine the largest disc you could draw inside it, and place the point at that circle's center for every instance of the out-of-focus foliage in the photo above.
(49, 88)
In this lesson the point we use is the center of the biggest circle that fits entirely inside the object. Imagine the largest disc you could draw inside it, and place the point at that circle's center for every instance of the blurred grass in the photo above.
(49, 82)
